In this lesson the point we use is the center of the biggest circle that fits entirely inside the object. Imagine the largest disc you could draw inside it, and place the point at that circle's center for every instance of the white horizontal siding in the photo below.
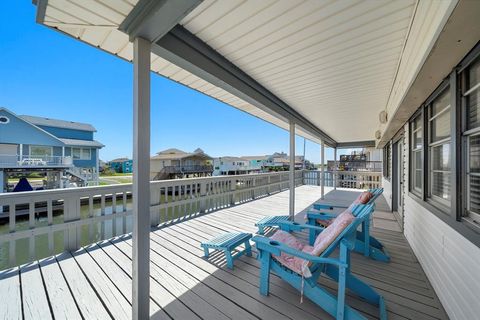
(387, 191)
(450, 261)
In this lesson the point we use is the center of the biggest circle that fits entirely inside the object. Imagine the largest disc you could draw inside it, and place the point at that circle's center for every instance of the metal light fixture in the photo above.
(383, 116)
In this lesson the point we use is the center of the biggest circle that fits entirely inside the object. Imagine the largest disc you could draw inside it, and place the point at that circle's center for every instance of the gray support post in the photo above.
(292, 171)
(233, 187)
(97, 166)
(335, 169)
(322, 170)
(141, 183)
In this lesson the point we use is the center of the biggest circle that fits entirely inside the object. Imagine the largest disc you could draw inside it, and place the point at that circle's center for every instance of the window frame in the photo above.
(412, 177)
(465, 214)
(454, 216)
(39, 146)
(81, 150)
(443, 204)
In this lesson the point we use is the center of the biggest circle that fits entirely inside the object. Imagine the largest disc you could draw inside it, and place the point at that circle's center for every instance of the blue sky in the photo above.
(45, 73)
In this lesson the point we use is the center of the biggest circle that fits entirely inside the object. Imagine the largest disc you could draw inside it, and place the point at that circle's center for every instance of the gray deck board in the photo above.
(61, 300)
(90, 305)
(95, 282)
(35, 304)
(11, 304)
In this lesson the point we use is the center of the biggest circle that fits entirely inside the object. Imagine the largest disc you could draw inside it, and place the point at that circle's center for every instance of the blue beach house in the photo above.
(121, 165)
(65, 152)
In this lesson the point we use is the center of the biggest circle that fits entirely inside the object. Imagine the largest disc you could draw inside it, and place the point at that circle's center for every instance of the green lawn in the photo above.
(116, 174)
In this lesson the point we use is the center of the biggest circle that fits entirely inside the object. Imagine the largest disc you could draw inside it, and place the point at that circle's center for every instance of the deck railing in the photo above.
(43, 223)
(188, 168)
(14, 161)
(344, 179)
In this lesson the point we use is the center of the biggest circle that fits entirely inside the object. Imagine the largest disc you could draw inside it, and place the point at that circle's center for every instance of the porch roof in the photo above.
(332, 66)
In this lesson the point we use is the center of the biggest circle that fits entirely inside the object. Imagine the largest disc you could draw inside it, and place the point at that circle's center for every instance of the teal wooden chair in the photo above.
(366, 244)
(325, 206)
(336, 268)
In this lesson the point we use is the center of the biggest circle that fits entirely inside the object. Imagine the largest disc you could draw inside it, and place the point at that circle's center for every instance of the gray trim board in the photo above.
(152, 19)
(41, 9)
(188, 52)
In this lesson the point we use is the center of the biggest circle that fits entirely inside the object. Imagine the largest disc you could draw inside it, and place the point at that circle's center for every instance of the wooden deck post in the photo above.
(322, 170)
(141, 183)
(292, 172)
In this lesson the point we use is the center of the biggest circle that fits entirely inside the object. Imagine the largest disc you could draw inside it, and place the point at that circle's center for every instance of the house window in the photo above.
(41, 151)
(439, 148)
(81, 154)
(471, 136)
(416, 148)
(4, 120)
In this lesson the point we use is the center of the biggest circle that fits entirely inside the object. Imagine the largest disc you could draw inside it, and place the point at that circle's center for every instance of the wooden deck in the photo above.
(95, 282)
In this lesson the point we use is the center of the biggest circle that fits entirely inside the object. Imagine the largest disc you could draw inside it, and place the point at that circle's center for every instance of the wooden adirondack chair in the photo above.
(366, 244)
(336, 268)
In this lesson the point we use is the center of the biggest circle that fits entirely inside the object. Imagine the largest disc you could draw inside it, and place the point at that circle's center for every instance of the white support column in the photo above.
(322, 170)
(335, 169)
(141, 183)
(292, 172)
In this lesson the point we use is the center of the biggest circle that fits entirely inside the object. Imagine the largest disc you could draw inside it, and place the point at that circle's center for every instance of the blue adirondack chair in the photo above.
(366, 244)
(336, 268)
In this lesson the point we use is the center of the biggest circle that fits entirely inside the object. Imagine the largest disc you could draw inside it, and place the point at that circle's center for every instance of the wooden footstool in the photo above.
(227, 242)
(270, 221)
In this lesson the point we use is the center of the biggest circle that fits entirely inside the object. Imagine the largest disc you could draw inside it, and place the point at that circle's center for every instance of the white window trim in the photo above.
(81, 153)
(37, 145)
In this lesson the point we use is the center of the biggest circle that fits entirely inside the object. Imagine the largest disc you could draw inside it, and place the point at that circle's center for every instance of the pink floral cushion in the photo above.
(324, 239)
(287, 260)
(327, 236)
(363, 198)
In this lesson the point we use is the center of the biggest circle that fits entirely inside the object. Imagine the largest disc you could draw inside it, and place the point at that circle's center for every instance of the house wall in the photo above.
(69, 133)
(87, 163)
(387, 191)
(19, 132)
(450, 261)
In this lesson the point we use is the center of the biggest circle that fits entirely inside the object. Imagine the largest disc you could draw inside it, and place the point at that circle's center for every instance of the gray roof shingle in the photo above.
(40, 121)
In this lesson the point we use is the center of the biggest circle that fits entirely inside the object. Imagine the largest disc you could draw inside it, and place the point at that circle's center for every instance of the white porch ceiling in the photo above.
(332, 61)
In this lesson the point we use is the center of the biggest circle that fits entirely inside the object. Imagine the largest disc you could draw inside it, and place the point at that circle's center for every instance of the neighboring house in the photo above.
(121, 165)
(174, 163)
(256, 163)
(64, 151)
(231, 166)
(281, 161)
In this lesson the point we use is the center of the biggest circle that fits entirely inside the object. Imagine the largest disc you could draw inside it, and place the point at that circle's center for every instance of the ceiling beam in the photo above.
(182, 48)
(356, 144)
(41, 9)
(152, 19)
